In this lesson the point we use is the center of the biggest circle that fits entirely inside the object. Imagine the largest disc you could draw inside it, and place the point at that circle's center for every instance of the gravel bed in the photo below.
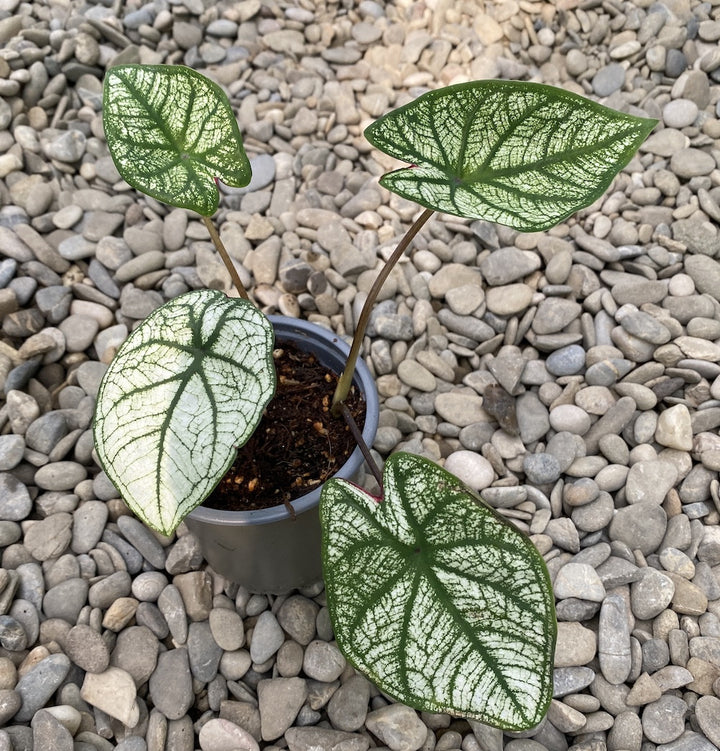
(604, 334)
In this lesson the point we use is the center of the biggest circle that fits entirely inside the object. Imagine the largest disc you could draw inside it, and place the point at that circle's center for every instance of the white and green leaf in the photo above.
(445, 605)
(171, 132)
(185, 390)
(521, 154)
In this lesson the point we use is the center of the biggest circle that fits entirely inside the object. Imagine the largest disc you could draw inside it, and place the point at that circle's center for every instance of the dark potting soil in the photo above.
(299, 443)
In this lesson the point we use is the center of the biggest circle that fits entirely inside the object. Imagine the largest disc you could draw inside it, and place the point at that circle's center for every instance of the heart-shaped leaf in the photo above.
(442, 603)
(184, 391)
(522, 154)
(171, 131)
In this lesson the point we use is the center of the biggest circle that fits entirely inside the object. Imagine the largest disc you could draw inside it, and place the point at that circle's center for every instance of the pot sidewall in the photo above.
(265, 550)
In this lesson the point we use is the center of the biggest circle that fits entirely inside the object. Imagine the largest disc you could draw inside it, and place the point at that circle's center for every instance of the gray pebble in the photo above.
(655, 655)
(641, 525)
(309, 738)
(566, 361)
(19, 376)
(79, 332)
(664, 720)
(675, 63)
(63, 475)
(50, 537)
(570, 418)
(30, 583)
(554, 314)
(289, 659)
(172, 607)
(148, 614)
(180, 734)
(10, 703)
(89, 375)
(394, 327)
(170, 685)
(132, 558)
(40, 683)
(532, 416)
(386, 438)
(541, 469)
(348, 706)
(571, 680)
(612, 422)
(132, 743)
(564, 534)
(26, 614)
(297, 617)
(68, 147)
(614, 651)
(595, 515)
(87, 649)
(185, 555)
(144, 263)
(644, 326)
(227, 628)
(15, 501)
(49, 732)
(44, 433)
(76, 248)
(10, 532)
(141, 538)
(651, 594)
(11, 452)
(608, 79)
(263, 173)
(12, 634)
(136, 652)
(323, 661)
(507, 265)
(279, 700)
(398, 727)
(104, 592)
(88, 524)
(460, 409)
(705, 273)
(203, 652)
(266, 638)
(579, 580)
(17, 737)
(218, 734)
(650, 481)
(707, 712)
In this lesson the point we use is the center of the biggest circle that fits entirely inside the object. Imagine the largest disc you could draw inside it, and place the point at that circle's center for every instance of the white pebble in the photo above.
(474, 470)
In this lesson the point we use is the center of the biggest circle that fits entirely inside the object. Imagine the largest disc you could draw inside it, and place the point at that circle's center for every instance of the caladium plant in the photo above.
(443, 603)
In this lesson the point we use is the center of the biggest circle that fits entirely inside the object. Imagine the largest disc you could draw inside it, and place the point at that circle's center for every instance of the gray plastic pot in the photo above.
(266, 550)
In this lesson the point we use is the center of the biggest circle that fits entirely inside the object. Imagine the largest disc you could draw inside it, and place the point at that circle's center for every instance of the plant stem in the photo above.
(345, 381)
(357, 435)
(218, 243)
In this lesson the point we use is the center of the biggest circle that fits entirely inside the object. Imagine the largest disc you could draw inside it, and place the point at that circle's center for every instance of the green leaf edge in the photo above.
(213, 193)
(104, 466)
(432, 706)
(645, 126)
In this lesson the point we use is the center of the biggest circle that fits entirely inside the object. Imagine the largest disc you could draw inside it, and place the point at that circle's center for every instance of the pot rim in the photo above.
(328, 339)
